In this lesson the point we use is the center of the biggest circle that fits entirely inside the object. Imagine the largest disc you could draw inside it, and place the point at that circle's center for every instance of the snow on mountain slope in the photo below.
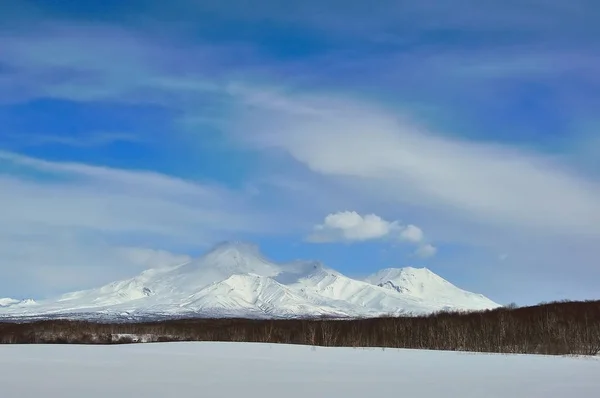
(234, 279)
(364, 297)
(254, 291)
(425, 285)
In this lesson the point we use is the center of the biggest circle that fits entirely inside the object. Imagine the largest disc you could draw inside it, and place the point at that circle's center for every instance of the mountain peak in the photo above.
(407, 278)
(424, 284)
(235, 257)
(403, 273)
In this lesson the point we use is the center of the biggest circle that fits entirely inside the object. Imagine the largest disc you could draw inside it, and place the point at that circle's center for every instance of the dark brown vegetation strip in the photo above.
(559, 328)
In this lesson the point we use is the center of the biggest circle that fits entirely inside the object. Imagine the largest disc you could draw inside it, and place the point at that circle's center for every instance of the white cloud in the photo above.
(392, 159)
(412, 233)
(350, 226)
(426, 251)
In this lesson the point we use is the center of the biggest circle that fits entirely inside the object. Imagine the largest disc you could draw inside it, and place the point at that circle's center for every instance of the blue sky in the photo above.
(462, 136)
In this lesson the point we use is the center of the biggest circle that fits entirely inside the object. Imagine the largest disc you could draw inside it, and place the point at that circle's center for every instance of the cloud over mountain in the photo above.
(350, 226)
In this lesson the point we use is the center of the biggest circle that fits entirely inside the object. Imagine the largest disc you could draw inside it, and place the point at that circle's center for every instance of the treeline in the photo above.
(557, 328)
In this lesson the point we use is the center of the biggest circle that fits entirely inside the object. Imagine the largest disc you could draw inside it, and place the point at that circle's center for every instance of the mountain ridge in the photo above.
(235, 279)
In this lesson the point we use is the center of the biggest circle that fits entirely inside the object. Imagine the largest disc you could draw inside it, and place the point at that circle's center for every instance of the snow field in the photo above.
(267, 370)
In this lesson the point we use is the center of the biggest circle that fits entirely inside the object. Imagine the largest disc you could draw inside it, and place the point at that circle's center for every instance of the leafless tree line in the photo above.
(556, 328)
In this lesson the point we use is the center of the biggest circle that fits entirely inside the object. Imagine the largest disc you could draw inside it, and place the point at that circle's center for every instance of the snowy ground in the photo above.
(264, 370)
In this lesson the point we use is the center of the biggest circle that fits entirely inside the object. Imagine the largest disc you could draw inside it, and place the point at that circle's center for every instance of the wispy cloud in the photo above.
(396, 17)
(50, 260)
(89, 213)
(152, 258)
(77, 63)
(494, 184)
(86, 196)
(81, 141)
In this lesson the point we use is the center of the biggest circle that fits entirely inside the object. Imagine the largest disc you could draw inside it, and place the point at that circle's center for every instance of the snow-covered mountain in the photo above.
(234, 279)
(423, 284)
